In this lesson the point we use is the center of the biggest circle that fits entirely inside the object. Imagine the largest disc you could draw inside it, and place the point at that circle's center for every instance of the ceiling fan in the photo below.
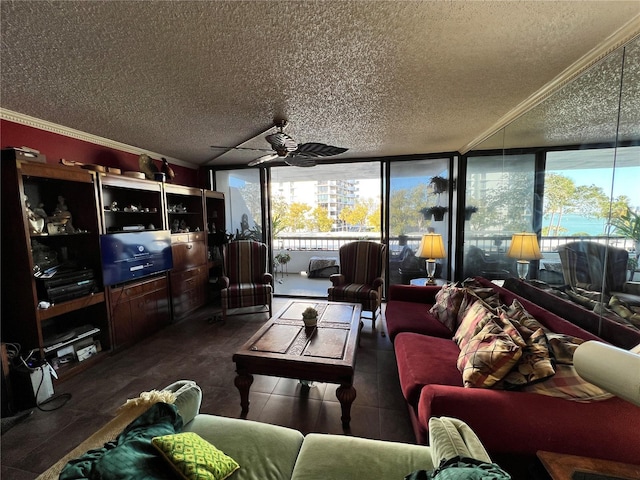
(283, 147)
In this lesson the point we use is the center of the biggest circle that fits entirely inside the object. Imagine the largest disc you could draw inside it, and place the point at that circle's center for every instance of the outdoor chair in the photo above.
(246, 282)
(361, 276)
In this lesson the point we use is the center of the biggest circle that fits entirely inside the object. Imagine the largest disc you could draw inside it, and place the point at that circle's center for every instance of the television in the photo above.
(132, 255)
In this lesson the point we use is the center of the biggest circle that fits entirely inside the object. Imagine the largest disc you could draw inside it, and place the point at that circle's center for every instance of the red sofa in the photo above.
(507, 422)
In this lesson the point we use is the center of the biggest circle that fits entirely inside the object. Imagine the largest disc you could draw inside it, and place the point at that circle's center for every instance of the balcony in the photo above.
(293, 278)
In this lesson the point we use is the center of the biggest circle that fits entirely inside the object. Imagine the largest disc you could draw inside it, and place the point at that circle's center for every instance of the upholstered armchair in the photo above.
(361, 276)
(596, 267)
(246, 282)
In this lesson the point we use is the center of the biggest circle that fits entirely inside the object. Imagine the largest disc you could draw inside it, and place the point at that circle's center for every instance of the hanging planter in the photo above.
(437, 212)
(468, 211)
(439, 184)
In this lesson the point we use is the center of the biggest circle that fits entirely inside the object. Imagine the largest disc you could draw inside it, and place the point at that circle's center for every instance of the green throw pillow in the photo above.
(194, 458)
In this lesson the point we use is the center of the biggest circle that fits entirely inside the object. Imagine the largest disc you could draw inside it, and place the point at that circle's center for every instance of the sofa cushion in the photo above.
(534, 364)
(338, 457)
(474, 319)
(403, 316)
(193, 458)
(488, 356)
(262, 450)
(448, 301)
(424, 360)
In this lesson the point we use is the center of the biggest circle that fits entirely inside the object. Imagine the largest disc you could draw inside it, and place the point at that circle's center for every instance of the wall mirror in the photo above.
(568, 171)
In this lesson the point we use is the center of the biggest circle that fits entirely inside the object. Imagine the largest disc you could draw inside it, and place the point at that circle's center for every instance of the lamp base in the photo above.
(522, 267)
(431, 271)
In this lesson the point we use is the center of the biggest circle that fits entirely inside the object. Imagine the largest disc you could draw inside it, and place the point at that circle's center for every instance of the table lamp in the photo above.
(431, 247)
(524, 247)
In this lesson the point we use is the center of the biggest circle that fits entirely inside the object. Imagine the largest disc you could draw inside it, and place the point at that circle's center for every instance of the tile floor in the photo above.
(199, 350)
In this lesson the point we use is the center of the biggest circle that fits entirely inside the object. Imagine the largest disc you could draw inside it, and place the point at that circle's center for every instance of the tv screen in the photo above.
(131, 255)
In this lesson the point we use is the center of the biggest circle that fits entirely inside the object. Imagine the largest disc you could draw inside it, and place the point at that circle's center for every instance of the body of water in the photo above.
(577, 224)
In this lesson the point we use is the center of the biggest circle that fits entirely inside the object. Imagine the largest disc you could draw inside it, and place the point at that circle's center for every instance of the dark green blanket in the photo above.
(461, 468)
(131, 455)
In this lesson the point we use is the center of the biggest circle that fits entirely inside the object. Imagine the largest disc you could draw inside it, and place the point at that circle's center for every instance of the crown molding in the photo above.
(624, 35)
(40, 124)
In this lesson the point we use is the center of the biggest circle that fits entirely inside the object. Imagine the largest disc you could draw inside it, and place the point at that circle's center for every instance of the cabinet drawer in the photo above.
(187, 237)
(188, 255)
(137, 289)
(188, 280)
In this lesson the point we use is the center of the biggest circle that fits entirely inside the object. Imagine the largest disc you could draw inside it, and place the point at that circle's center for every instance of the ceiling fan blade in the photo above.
(281, 142)
(318, 150)
(241, 148)
(300, 161)
(263, 159)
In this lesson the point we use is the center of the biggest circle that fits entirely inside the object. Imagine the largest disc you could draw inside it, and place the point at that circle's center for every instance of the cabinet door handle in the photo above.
(189, 247)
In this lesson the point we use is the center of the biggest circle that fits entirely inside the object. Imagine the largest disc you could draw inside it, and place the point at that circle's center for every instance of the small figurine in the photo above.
(62, 217)
(36, 222)
(167, 170)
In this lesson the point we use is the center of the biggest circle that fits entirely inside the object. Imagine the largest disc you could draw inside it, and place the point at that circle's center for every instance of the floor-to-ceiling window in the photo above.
(587, 193)
(243, 202)
(501, 188)
(417, 189)
(313, 212)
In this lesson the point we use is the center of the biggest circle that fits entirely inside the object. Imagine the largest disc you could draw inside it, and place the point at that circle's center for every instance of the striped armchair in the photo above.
(246, 282)
(361, 276)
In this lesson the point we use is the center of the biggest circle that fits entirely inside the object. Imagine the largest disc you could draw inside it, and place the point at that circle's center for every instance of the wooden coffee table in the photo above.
(283, 347)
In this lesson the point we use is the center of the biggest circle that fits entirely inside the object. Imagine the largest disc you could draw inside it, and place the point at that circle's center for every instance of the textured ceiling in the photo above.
(379, 78)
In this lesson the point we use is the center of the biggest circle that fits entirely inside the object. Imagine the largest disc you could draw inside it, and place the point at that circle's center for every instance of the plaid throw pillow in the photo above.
(448, 301)
(475, 318)
(488, 356)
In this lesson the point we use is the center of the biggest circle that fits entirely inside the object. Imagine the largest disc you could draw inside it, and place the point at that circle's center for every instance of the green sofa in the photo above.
(272, 452)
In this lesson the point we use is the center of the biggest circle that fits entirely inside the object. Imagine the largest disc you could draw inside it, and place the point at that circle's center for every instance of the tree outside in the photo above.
(320, 220)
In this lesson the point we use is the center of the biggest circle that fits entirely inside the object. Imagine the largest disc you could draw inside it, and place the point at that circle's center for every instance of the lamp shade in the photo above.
(524, 246)
(431, 246)
(611, 368)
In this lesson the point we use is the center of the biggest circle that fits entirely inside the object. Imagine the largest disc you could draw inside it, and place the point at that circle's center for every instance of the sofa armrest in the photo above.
(267, 278)
(378, 282)
(522, 423)
(337, 279)
(224, 282)
(412, 293)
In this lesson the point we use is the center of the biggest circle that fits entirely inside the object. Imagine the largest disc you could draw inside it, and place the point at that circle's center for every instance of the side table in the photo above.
(572, 467)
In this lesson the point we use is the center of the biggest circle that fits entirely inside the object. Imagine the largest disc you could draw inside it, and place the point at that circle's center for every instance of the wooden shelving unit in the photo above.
(188, 278)
(35, 311)
(100, 204)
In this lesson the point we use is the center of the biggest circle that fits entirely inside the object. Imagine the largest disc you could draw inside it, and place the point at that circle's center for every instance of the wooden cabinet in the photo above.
(189, 276)
(53, 300)
(139, 309)
(131, 204)
(53, 221)
(184, 209)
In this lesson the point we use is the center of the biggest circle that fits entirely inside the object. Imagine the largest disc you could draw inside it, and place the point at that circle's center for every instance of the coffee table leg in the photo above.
(243, 382)
(346, 394)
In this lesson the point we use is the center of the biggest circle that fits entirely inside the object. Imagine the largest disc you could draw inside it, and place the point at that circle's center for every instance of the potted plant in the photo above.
(469, 210)
(436, 211)
(628, 226)
(440, 184)
(310, 317)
